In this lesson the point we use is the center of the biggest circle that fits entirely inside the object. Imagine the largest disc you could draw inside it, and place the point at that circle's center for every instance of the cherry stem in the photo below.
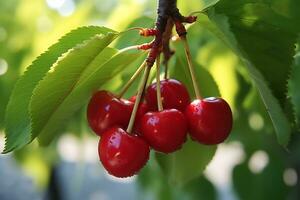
(132, 79)
(191, 67)
(138, 98)
(158, 92)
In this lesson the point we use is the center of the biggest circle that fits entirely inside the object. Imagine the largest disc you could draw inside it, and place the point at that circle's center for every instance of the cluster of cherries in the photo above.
(122, 153)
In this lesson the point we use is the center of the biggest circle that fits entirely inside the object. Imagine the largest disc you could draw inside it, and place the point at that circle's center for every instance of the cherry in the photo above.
(105, 110)
(174, 95)
(209, 119)
(165, 130)
(142, 110)
(121, 154)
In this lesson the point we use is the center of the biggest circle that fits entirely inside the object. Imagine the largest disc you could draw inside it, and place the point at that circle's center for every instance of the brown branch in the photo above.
(167, 15)
(167, 52)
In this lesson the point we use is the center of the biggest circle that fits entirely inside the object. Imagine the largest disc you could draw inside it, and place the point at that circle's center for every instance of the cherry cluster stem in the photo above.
(168, 14)
(138, 98)
(158, 91)
(190, 65)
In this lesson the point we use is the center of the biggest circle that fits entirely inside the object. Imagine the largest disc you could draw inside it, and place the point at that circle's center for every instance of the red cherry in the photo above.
(142, 110)
(174, 95)
(121, 154)
(105, 110)
(210, 120)
(165, 131)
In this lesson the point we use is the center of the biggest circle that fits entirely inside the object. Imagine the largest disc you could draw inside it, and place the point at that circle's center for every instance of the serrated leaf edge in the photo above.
(7, 150)
(76, 48)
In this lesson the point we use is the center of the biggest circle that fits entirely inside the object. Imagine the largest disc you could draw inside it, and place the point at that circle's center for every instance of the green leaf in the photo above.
(267, 37)
(180, 71)
(195, 6)
(131, 37)
(208, 4)
(260, 186)
(187, 163)
(117, 82)
(62, 79)
(61, 93)
(293, 85)
(17, 120)
(200, 188)
(219, 25)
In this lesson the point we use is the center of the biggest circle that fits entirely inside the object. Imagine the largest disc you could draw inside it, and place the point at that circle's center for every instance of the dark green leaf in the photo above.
(260, 186)
(266, 37)
(294, 84)
(230, 31)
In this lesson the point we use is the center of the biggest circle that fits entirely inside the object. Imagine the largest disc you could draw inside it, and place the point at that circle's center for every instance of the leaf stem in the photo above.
(138, 98)
(158, 92)
(132, 79)
(190, 65)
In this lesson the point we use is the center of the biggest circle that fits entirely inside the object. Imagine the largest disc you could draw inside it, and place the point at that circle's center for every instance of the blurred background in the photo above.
(250, 165)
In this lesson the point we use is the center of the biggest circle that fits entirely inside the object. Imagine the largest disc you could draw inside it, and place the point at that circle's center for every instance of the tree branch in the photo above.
(167, 15)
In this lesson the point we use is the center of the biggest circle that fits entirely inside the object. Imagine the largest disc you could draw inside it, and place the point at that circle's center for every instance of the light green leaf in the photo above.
(187, 163)
(209, 3)
(131, 37)
(17, 120)
(219, 25)
(61, 93)
(59, 82)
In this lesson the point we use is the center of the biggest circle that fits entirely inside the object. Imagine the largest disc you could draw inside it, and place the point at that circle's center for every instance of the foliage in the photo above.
(255, 42)
(18, 107)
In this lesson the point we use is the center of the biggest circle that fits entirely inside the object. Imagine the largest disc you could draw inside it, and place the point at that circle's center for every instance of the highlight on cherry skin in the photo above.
(209, 120)
(121, 154)
(165, 130)
(174, 95)
(105, 110)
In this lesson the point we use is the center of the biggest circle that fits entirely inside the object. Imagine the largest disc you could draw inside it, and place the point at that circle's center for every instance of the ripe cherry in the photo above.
(105, 110)
(121, 154)
(210, 120)
(165, 131)
(174, 95)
